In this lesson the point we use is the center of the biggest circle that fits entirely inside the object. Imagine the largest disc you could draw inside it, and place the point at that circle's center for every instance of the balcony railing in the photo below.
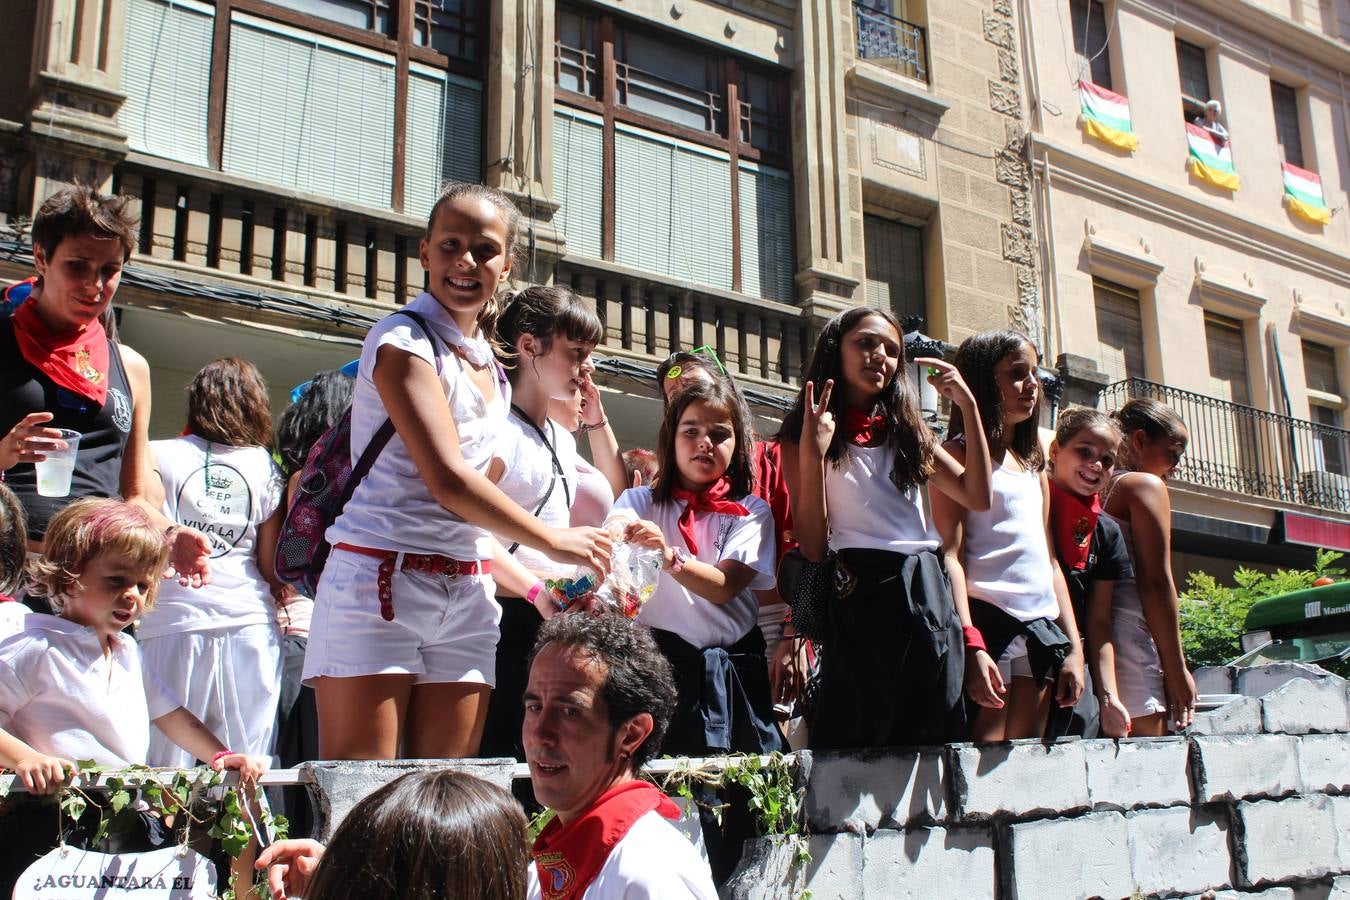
(1250, 451)
(883, 37)
(757, 340)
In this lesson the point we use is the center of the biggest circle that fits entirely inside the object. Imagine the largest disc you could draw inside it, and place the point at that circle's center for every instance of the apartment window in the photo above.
(1325, 403)
(1120, 332)
(695, 145)
(894, 267)
(1227, 359)
(1090, 40)
(1284, 100)
(1193, 68)
(296, 76)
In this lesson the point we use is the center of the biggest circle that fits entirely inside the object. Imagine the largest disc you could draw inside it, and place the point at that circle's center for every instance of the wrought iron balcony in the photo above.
(884, 38)
(1251, 451)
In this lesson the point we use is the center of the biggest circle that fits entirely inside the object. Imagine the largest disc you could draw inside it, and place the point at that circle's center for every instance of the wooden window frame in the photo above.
(1191, 106)
(1104, 52)
(608, 30)
(400, 46)
(1281, 92)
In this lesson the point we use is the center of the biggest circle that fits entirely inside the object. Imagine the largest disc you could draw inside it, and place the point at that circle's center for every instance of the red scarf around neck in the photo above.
(862, 428)
(1073, 520)
(75, 360)
(568, 857)
(710, 499)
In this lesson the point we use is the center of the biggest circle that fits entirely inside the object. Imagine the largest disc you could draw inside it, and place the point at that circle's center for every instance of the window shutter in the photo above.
(643, 176)
(1227, 359)
(166, 75)
(309, 112)
(578, 174)
(701, 247)
(1120, 334)
(1284, 101)
(1319, 367)
(767, 265)
(444, 136)
(894, 265)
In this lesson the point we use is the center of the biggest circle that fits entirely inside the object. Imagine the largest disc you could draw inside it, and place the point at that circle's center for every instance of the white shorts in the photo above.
(1014, 663)
(230, 678)
(1139, 675)
(443, 630)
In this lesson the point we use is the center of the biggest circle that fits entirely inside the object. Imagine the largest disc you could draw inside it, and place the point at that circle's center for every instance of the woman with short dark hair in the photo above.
(218, 647)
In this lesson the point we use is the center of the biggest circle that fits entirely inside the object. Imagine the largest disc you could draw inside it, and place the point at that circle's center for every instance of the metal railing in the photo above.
(884, 37)
(1251, 451)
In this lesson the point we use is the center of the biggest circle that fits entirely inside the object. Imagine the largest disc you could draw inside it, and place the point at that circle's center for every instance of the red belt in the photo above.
(431, 563)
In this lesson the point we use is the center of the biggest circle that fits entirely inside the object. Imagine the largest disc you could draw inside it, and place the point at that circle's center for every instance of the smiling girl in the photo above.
(1018, 601)
(402, 646)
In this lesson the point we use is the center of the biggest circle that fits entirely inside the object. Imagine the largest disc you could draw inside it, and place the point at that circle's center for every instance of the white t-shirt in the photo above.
(225, 493)
(391, 508)
(595, 497)
(867, 511)
(654, 861)
(746, 539)
(529, 472)
(1007, 555)
(13, 614)
(63, 697)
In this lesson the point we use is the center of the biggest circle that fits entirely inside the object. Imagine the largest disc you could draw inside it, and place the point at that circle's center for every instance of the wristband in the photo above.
(974, 640)
(219, 756)
(677, 559)
(596, 427)
(533, 593)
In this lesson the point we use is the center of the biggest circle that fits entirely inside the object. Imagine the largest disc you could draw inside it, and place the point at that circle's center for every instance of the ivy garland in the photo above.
(186, 798)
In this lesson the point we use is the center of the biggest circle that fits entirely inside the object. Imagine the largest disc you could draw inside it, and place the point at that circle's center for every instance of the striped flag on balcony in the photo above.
(1303, 195)
(1211, 159)
(1106, 116)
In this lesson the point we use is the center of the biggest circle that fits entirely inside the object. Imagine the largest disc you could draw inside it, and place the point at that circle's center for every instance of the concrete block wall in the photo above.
(1253, 802)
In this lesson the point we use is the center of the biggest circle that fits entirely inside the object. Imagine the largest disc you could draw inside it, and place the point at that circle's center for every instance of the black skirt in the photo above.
(892, 672)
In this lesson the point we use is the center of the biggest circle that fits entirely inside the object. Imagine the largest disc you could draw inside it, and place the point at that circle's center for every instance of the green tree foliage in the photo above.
(1212, 614)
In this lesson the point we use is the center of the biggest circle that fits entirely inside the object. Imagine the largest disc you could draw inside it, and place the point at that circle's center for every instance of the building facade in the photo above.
(721, 174)
(1189, 262)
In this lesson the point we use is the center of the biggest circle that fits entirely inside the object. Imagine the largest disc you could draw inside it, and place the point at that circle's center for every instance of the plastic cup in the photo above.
(54, 472)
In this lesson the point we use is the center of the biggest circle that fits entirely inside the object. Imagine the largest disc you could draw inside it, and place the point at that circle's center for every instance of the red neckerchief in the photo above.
(710, 499)
(1073, 519)
(568, 857)
(76, 360)
(862, 428)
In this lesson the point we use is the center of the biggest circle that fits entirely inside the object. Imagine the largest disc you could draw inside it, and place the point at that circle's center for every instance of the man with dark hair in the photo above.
(597, 705)
(599, 698)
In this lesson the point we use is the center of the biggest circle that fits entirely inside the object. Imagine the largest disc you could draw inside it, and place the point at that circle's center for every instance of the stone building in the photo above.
(723, 174)
(1219, 292)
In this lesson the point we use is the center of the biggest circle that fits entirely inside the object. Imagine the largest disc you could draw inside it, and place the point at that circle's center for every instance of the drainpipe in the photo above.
(1292, 463)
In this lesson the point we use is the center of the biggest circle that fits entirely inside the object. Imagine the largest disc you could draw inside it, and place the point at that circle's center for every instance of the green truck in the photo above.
(1308, 626)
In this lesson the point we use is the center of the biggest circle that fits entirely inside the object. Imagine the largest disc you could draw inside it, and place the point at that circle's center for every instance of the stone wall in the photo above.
(1254, 801)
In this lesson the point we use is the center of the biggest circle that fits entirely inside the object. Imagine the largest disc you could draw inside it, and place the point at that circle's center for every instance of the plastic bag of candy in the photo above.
(634, 572)
(567, 591)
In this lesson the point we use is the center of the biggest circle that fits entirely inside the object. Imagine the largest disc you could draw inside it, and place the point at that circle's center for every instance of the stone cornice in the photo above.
(1178, 208)
(1117, 260)
(1320, 325)
(883, 84)
(1230, 294)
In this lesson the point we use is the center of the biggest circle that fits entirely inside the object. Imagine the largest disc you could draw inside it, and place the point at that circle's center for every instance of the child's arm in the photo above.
(804, 469)
(719, 583)
(40, 773)
(1102, 659)
(265, 550)
(984, 684)
(187, 731)
(413, 397)
(1151, 524)
(605, 453)
(1071, 683)
(967, 479)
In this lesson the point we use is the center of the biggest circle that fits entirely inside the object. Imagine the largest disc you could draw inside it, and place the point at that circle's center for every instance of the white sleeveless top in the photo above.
(1007, 556)
(867, 511)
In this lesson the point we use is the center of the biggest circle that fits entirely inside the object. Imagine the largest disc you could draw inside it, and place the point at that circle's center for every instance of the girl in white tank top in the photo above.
(857, 456)
(1018, 599)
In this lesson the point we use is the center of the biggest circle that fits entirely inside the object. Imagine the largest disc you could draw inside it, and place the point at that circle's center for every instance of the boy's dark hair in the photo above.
(455, 190)
(907, 433)
(975, 359)
(13, 541)
(638, 677)
(81, 210)
(430, 834)
(1077, 419)
(304, 421)
(544, 312)
(718, 395)
(227, 403)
